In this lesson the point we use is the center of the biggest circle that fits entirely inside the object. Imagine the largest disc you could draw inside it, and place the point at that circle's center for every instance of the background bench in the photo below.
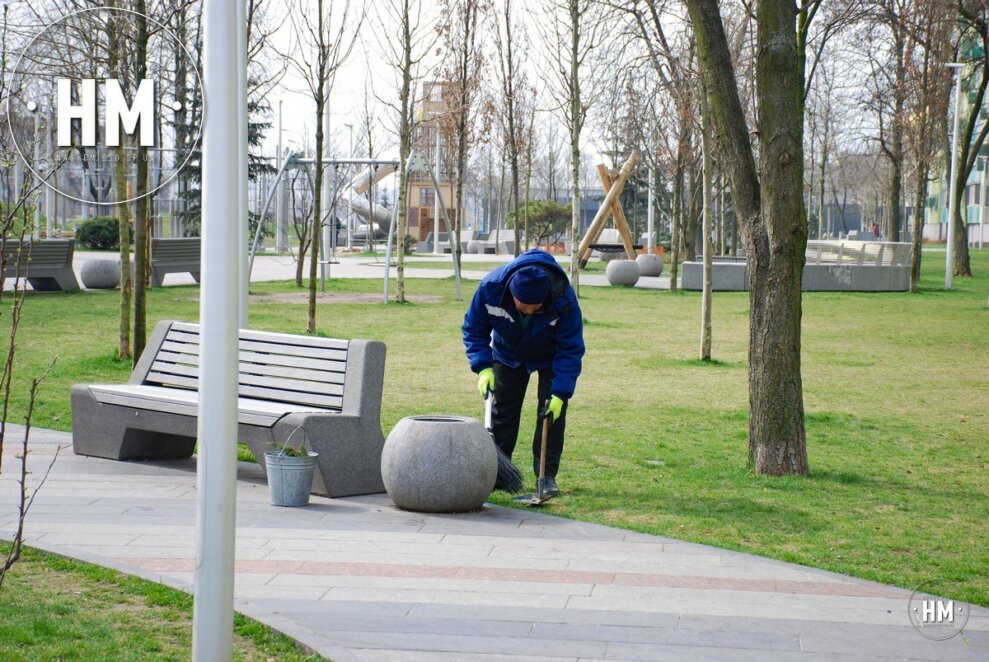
(332, 388)
(50, 266)
(174, 256)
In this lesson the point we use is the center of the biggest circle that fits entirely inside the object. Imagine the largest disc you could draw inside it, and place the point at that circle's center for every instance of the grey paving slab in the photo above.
(358, 579)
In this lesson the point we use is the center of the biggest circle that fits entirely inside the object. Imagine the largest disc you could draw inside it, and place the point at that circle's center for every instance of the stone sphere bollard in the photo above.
(474, 246)
(100, 274)
(439, 464)
(622, 272)
(649, 264)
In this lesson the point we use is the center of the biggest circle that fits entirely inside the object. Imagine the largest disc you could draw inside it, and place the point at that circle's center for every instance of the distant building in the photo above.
(975, 203)
(427, 140)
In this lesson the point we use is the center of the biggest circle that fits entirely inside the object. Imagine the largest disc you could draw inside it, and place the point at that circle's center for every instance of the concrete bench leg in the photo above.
(61, 280)
(120, 433)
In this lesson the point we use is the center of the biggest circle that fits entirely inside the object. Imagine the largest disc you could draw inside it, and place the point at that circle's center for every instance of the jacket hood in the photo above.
(533, 257)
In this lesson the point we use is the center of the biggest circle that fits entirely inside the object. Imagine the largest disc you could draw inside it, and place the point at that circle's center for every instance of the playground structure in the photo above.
(416, 164)
(610, 208)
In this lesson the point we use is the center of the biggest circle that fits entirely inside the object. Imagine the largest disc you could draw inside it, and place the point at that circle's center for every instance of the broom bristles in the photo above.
(510, 479)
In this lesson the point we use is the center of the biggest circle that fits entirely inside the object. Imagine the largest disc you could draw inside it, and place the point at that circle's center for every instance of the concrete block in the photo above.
(725, 276)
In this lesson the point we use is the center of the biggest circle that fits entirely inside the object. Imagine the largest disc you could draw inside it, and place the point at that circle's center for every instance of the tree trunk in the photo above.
(824, 165)
(141, 201)
(917, 226)
(894, 220)
(691, 226)
(122, 192)
(576, 125)
(317, 208)
(771, 216)
(405, 147)
(675, 213)
(705, 353)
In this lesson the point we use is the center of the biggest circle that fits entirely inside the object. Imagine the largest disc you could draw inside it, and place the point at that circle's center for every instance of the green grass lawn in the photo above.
(896, 391)
(57, 609)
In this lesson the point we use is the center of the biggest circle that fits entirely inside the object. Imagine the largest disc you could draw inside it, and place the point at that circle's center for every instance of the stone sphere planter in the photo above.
(622, 272)
(649, 264)
(439, 464)
(100, 274)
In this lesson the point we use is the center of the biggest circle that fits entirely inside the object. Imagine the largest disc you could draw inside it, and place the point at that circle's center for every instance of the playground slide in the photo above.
(361, 205)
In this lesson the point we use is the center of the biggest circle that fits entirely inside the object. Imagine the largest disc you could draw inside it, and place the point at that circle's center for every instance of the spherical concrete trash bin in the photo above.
(622, 272)
(649, 264)
(100, 274)
(439, 464)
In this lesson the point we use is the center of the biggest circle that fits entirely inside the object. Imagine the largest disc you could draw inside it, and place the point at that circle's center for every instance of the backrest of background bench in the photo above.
(182, 249)
(272, 366)
(47, 253)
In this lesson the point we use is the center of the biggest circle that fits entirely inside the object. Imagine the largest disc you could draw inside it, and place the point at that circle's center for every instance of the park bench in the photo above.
(331, 388)
(49, 267)
(174, 256)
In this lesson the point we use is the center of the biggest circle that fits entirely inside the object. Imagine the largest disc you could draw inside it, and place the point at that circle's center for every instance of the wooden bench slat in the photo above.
(159, 398)
(261, 392)
(278, 395)
(190, 355)
(290, 349)
(270, 336)
(154, 377)
(256, 379)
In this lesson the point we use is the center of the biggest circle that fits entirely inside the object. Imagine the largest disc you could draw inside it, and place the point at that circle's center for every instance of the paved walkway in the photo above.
(357, 579)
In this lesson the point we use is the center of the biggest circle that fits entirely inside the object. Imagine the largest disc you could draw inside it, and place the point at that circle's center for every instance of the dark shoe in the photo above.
(550, 488)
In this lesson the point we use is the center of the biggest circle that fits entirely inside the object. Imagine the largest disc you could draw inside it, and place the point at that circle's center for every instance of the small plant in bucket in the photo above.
(290, 471)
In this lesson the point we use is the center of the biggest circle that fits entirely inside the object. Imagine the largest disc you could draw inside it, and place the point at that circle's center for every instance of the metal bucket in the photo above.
(290, 478)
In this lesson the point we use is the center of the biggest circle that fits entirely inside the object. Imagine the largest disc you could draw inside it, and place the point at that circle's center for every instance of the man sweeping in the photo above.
(524, 318)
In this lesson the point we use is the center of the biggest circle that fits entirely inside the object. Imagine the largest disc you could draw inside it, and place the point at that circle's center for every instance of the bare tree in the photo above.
(770, 210)
(672, 61)
(885, 43)
(324, 39)
(15, 227)
(465, 118)
(573, 35)
(511, 43)
(406, 53)
(971, 49)
(929, 87)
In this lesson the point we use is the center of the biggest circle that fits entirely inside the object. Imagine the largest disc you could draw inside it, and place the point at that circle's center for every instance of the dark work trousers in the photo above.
(509, 395)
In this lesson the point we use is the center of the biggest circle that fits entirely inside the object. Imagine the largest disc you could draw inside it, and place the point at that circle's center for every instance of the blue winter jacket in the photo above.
(553, 337)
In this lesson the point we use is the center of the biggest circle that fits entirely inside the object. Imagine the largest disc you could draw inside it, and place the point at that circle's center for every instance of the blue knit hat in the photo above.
(530, 285)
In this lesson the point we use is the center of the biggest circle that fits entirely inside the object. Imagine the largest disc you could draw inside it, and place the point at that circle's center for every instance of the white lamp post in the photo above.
(216, 474)
(949, 259)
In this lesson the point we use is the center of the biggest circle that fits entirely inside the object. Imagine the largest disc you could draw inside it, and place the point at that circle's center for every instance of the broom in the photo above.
(509, 477)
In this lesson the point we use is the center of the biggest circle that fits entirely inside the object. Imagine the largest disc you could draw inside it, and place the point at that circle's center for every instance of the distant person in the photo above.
(875, 230)
(524, 318)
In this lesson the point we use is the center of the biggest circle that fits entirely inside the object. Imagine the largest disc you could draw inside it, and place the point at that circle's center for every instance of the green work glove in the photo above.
(554, 409)
(485, 381)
